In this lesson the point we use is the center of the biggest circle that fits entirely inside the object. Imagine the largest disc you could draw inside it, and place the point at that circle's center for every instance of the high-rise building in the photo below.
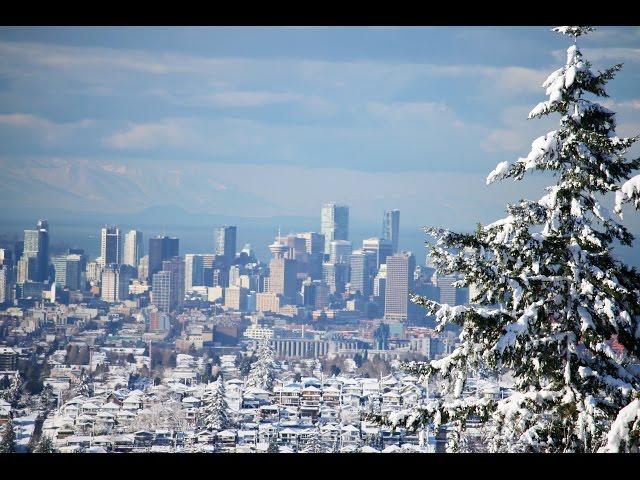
(175, 266)
(133, 248)
(268, 302)
(362, 271)
(314, 242)
(161, 248)
(381, 247)
(143, 268)
(115, 283)
(391, 227)
(400, 269)
(449, 294)
(6, 257)
(94, 273)
(161, 290)
(380, 284)
(225, 243)
(6, 284)
(235, 298)
(36, 245)
(282, 273)
(335, 275)
(74, 272)
(315, 294)
(334, 223)
(60, 269)
(234, 276)
(110, 246)
(193, 271)
(339, 251)
(27, 269)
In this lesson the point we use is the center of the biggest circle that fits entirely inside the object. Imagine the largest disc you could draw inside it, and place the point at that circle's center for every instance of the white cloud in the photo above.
(400, 112)
(145, 136)
(502, 140)
(48, 130)
(242, 99)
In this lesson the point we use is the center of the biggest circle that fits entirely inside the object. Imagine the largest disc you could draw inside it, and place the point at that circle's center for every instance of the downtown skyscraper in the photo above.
(36, 246)
(133, 248)
(110, 246)
(334, 223)
(225, 243)
(391, 227)
(161, 248)
(400, 268)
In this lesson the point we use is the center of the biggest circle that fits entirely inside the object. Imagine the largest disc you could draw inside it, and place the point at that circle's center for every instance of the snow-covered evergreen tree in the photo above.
(47, 398)
(552, 298)
(12, 394)
(262, 371)
(273, 447)
(216, 409)
(45, 445)
(8, 440)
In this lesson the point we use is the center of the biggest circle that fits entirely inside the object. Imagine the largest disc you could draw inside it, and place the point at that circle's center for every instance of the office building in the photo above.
(448, 293)
(381, 248)
(391, 227)
(282, 273)
(314, 242)
(115, 283)
(193, 271)
(6, 284)
(339, 251)
(235, 298)
(59, 263)
(175, 266)
(400, 268)
(268, 302)
(225, 243)
(161, 290)
(161, 248)
(362, 270)
(143, 268)
(334, 223)
(110, 246)
(133, 248)
(335, 275)
(36, 245)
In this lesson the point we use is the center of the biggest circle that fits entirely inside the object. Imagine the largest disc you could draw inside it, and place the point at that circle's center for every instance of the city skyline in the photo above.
(375, 120)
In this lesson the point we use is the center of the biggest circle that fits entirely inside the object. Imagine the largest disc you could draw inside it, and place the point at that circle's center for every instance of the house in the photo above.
(287, 396)
(310, 396)
(247, 437)
(163, 437)
(124, 443)
(331, 396)
(350, 435)
(330, 433)
(143, 438)
(391, 399)
(227, 440)
(205, 437)
(267, 432)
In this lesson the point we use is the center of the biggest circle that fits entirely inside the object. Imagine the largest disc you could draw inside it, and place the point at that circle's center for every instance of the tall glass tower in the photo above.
(334, 224)
(391, 227)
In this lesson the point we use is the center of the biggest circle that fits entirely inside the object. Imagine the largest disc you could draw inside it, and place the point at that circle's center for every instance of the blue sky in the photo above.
(275, 121)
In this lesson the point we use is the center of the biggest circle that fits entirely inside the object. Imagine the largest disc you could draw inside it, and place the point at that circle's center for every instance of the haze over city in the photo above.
(273, 122)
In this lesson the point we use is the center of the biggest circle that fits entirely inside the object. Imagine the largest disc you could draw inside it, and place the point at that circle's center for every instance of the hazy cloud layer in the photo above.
(276, 121)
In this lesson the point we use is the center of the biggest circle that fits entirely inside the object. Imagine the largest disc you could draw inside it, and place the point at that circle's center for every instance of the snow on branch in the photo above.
(573, 31)
(624, 430)
(629, 192)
